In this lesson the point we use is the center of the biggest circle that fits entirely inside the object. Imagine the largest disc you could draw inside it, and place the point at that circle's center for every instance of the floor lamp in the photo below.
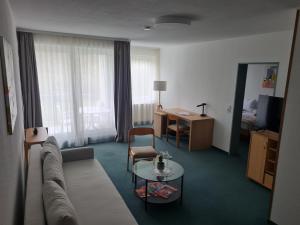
(159, 86)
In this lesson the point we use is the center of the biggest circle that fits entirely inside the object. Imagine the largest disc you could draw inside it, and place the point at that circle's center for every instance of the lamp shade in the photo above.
(159, 85)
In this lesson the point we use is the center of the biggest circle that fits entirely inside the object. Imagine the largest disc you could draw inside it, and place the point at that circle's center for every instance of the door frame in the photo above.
(238, 103)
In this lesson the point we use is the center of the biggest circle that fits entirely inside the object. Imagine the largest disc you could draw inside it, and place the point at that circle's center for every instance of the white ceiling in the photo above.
(214, 19)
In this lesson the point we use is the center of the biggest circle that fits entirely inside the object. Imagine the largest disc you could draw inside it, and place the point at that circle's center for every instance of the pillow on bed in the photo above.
(250, 105)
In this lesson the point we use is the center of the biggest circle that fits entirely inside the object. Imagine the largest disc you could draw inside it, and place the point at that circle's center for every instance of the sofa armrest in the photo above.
(74, 154)
(34, 211)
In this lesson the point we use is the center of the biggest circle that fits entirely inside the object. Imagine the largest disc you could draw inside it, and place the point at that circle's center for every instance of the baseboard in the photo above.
(270, 222)
(221, 150)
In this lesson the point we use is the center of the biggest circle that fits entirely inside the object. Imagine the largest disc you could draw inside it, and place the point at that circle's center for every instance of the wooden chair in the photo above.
(140, 152)
(176, 127)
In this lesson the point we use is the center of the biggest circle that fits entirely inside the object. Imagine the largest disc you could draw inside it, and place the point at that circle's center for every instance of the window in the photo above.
(144, 70)
(76, 88)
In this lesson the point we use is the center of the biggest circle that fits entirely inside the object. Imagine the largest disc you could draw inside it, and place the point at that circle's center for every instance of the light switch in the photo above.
(229, 108)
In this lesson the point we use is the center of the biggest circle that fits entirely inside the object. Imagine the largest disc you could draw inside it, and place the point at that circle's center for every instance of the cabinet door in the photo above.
(268, 181)
(257, 157)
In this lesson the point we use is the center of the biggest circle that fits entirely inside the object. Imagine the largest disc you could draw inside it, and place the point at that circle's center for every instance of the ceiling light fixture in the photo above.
(173, 20)
(147, 28)
(170, 22)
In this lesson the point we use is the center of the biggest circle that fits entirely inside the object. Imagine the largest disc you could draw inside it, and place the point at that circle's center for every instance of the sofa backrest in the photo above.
(34, 207)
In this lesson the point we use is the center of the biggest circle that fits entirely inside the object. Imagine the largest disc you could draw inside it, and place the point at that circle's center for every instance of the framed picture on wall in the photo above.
(8, 76)
(271, 77)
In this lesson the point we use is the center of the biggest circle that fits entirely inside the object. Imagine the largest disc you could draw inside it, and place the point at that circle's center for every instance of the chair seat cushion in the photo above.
(143, 152)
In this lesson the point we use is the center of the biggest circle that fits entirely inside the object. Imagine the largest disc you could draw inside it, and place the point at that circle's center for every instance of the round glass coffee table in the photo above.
(158, 187)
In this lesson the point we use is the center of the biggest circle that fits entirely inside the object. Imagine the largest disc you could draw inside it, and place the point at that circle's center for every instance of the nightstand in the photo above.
(32, 139)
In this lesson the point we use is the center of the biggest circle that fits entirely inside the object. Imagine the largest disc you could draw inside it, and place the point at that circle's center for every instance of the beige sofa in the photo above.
(92, 193)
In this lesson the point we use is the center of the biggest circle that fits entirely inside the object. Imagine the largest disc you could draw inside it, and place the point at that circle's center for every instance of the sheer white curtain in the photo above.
(76, 88)
(144, 70)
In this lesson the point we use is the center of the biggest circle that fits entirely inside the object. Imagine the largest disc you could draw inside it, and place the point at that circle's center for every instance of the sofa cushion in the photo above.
(52, 170)
(59, 210)
(52, 140)
(75, 154)
(94, 196)
(51, 146)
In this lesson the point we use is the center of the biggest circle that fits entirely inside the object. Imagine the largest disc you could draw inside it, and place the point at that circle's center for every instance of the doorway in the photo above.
(254, 80)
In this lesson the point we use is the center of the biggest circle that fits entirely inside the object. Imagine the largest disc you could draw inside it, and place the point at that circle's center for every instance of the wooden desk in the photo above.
(201, 128)
(31, 139)
(160, 123)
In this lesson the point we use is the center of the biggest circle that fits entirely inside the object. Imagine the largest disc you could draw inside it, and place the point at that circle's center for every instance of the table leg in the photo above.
(190, 136)
(181, 189)
(146, 194)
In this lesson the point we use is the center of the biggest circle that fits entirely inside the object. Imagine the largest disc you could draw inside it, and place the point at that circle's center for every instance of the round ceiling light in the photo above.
(147, 28)
(172, 21)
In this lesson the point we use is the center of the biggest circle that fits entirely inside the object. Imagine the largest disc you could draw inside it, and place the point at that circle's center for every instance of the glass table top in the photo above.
(147, 170)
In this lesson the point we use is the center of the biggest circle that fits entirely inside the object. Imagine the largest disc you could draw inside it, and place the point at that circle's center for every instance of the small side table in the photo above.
(31, 139)
(144, 170)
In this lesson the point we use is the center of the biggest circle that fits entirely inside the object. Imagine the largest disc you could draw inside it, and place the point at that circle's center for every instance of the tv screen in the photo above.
(268, 113)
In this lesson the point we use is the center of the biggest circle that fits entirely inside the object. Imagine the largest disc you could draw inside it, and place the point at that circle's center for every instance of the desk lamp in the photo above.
(159, 86)
(203, 109)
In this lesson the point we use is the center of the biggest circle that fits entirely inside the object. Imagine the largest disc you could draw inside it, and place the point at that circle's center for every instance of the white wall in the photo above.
(286, 201)
(255, 76)
(11, 146)
(207, 72)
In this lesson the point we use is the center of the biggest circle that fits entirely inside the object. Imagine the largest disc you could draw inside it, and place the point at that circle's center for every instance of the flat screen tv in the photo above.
(268, 113)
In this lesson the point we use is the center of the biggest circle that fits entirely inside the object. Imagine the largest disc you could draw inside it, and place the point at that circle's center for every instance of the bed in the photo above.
(248, 116)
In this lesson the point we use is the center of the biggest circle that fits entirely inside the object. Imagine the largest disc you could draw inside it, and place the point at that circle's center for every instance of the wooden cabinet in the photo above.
(268, 181)
(262, 157)
(257, 158)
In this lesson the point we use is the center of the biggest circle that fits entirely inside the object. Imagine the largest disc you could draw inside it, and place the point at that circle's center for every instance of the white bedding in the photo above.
(249, 117)
(248, 120)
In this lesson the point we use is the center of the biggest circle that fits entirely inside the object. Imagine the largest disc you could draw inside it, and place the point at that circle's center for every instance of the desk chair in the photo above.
(140, 152)
(177, 127)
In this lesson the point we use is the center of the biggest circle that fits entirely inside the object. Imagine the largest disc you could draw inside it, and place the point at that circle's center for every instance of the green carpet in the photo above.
(216, 190)
(243, 150)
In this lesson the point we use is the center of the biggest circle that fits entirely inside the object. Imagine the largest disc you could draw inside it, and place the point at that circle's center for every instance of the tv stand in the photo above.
(262, 157)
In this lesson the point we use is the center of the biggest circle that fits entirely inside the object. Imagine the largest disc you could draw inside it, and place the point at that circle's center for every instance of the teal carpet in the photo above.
(216, 190)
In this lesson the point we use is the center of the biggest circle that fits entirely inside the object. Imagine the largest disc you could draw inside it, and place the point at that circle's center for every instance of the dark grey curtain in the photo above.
(29, 81)
(122, 88)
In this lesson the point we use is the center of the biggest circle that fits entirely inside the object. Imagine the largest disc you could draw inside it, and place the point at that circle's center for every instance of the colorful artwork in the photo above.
(271, 77)
(7, 69)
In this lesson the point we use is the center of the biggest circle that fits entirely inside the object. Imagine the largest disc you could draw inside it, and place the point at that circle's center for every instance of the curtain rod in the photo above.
(70, 34)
